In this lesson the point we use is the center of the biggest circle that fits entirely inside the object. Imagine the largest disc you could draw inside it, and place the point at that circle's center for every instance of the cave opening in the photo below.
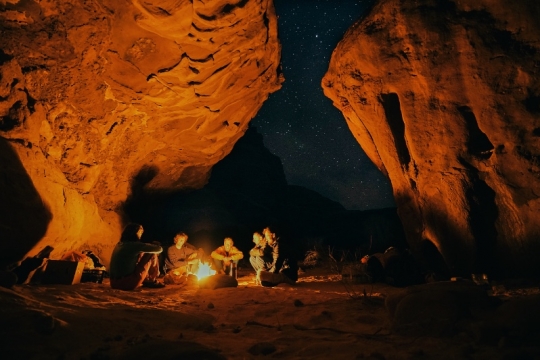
(315, 153)
(231, 204)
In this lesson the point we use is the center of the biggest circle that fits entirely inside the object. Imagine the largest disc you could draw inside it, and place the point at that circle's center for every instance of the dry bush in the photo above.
(351, 272)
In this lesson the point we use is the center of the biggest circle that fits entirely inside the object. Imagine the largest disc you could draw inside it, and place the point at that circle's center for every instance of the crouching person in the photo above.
(134, 263)
(281, 269)
(226, 257)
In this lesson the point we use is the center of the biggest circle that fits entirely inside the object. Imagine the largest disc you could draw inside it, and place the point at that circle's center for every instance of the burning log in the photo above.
(217, 281)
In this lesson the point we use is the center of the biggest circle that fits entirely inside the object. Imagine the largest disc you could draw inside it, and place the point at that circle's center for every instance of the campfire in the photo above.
(204, 270)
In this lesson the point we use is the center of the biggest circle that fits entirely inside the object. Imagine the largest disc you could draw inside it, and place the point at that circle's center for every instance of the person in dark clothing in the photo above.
(134, 263)
(182, 257)
(397, 268)
(272, 241)
(282, 266)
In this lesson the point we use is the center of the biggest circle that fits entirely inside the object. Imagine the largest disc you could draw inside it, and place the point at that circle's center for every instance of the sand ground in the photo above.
(318, 318)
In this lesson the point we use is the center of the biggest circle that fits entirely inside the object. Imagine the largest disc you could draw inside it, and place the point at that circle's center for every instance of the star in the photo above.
(301, 126)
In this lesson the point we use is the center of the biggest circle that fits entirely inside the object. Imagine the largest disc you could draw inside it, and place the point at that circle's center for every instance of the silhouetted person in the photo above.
(397, 268)
(226, 257)
(134, 263)
(286, 263)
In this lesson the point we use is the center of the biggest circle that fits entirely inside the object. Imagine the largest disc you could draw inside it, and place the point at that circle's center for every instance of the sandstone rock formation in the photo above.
(93, 93)
(444, 97)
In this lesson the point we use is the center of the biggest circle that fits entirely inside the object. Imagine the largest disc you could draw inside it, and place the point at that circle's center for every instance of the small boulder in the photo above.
(270, 279)
(438, 309)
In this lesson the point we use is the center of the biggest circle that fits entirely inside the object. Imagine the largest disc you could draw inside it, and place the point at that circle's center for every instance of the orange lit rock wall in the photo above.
(94, 93)
(444, 97)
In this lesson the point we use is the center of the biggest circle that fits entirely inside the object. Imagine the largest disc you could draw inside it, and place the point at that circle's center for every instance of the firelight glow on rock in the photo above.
(100, 97)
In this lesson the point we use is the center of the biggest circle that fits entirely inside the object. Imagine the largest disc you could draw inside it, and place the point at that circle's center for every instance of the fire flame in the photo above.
(204, 270)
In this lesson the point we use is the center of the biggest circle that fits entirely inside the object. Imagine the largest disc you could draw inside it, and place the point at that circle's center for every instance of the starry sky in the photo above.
(301, 126)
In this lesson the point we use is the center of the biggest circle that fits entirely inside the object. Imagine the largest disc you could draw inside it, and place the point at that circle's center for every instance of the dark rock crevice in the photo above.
(4, 58)
(228, 8)
(477, 141)
(482, 219)
(532, 103)
(13, 118)
(394, 117)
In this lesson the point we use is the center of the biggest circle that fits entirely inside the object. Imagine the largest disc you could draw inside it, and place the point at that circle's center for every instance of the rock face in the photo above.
(95, 93)
(444, 97)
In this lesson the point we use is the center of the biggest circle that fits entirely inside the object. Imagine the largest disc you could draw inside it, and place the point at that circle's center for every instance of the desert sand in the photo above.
(320, 317)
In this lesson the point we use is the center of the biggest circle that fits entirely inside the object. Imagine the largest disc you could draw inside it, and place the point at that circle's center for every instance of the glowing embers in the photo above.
(204, 270)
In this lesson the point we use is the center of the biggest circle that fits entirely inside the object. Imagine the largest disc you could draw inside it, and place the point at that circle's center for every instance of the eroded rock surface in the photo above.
(95, 93)
(444, 97)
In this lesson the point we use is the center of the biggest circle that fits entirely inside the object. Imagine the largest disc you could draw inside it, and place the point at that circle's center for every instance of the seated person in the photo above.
(225, 256)
(395, 267)
(272, 241)
(282, 268)
(260, 256)
(183, 258)
(134, 263)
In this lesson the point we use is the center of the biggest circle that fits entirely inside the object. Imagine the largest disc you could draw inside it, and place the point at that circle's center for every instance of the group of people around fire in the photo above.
(135, 263)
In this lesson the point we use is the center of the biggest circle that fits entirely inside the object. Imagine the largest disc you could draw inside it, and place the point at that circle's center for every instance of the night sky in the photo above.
(300, 124)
